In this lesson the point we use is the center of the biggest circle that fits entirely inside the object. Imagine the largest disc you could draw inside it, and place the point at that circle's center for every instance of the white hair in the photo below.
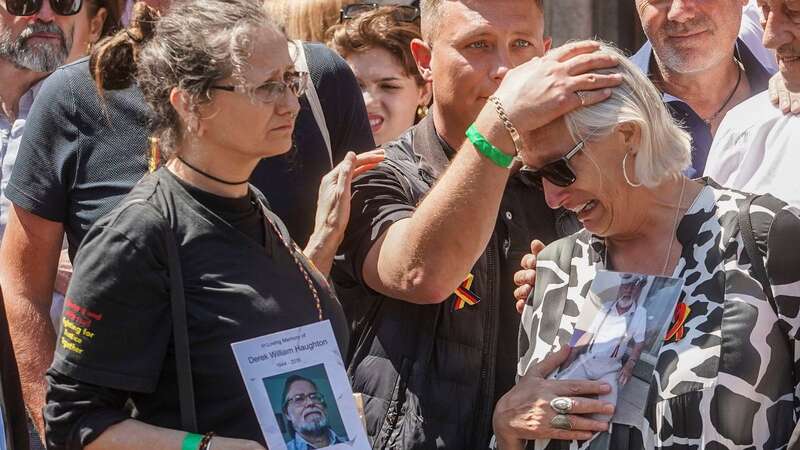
(664, 148)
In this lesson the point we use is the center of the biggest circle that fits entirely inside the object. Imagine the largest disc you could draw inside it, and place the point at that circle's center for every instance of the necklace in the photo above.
(739, 71)
(211, 177)
(671, 236)
(300, 266)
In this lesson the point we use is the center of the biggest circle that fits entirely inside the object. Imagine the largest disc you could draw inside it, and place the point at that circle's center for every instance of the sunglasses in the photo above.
(401, 13)
(31, 7)
(558, 172)
(271, 91)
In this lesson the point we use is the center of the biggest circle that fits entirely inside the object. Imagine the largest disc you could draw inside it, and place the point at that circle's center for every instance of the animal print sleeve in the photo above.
(783, 267)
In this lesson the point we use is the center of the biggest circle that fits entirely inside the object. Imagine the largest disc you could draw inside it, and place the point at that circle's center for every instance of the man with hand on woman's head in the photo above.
(443, 214)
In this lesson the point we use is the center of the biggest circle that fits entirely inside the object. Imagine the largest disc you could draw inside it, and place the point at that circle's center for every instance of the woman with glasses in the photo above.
(376, 43)
(726, 375)
(223, 90)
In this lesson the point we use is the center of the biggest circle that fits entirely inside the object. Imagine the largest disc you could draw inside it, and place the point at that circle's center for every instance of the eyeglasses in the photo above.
(300, 399)
(271, 91)
(31, 7)
(401, 13)
(558, 172)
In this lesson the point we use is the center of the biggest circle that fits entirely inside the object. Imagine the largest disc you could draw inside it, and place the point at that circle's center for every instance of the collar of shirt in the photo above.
(25, 103)
(298, 443)
(433, 153)
(758, 71)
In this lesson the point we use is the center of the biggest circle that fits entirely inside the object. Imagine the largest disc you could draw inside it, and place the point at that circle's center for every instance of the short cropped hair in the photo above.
(378, 29)
(664, 149)
(430, 12)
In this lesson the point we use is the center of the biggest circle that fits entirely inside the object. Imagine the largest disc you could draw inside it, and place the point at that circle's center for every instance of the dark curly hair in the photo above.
(378, 29)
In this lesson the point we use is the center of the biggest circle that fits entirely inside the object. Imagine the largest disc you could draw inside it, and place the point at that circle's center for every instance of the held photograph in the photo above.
(299, 390)
(618, 336)
(305, 409)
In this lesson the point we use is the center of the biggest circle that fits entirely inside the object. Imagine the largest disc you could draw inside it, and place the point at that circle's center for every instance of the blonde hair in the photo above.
(306, 20)
(664, 149)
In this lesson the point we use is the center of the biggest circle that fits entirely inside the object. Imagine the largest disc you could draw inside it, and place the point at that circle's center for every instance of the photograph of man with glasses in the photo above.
(306, 416)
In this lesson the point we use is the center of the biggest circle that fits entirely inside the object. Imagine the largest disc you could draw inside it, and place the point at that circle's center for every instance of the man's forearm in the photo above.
(424, 258)
(33, 338)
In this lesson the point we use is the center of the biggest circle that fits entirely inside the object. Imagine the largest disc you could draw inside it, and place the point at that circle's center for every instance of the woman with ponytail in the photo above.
(224, 94)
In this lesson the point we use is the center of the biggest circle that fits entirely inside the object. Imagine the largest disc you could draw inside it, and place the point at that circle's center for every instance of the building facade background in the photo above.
(610, 20)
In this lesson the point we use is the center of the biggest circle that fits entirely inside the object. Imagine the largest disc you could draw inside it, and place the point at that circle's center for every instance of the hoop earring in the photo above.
(155, 154)
(422, 112)
(625, 172)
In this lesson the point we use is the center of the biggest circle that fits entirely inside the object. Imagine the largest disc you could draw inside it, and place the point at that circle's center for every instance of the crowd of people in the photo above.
(434, 178)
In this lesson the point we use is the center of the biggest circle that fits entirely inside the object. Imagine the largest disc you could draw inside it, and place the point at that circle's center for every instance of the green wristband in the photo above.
(488, 150)
(191, 441)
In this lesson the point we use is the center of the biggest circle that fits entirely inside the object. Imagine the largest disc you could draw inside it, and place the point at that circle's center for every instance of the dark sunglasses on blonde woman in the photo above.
(31, 7)
(558, 172)
(402, 13)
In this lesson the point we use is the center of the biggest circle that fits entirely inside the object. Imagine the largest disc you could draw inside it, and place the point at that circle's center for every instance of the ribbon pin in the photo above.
(677, 331)
(465, 296)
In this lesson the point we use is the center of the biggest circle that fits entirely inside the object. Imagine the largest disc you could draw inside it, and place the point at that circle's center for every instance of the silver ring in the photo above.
(561, 422)
(580, 96)
(562, 405)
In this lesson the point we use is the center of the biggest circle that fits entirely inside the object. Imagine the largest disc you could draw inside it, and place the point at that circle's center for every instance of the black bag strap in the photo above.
(180, 332)
(751, 247)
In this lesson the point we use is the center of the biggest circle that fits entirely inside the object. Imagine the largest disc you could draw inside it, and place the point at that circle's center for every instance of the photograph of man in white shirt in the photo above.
(620, 322)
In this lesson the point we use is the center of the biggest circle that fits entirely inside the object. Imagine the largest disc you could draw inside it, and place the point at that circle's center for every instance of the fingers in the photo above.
(589, 98)
(582, 423)
(521, 293)
(550, 363)
(573, 49)
(590, 62)
(346, 167)
(796, 104)
(520, 305)
(565, 435)
(367, 161)
(582, 405)
(589, 82)
(536, 247)
(580, 387)
(365, 168)
(370, 157)
(523, 277)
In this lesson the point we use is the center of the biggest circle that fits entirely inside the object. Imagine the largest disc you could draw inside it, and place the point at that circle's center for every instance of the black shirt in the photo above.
(291, 181)
(117, 329)
(454, 363)
(80, 154)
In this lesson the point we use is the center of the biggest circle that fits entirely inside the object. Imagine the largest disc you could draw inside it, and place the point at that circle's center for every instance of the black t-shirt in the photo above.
(291, 181)
(117, 327)
(242, 213)
(80, 154)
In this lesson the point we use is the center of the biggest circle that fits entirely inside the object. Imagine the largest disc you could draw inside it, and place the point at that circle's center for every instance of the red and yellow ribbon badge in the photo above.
(677, 331)
(464, 295)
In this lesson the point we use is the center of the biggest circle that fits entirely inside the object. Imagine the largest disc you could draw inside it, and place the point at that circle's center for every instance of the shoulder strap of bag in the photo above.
(751, 247)
(180, 331)
(313, 99)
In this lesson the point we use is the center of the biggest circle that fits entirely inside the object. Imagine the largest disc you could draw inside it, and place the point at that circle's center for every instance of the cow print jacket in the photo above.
(731, 381)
